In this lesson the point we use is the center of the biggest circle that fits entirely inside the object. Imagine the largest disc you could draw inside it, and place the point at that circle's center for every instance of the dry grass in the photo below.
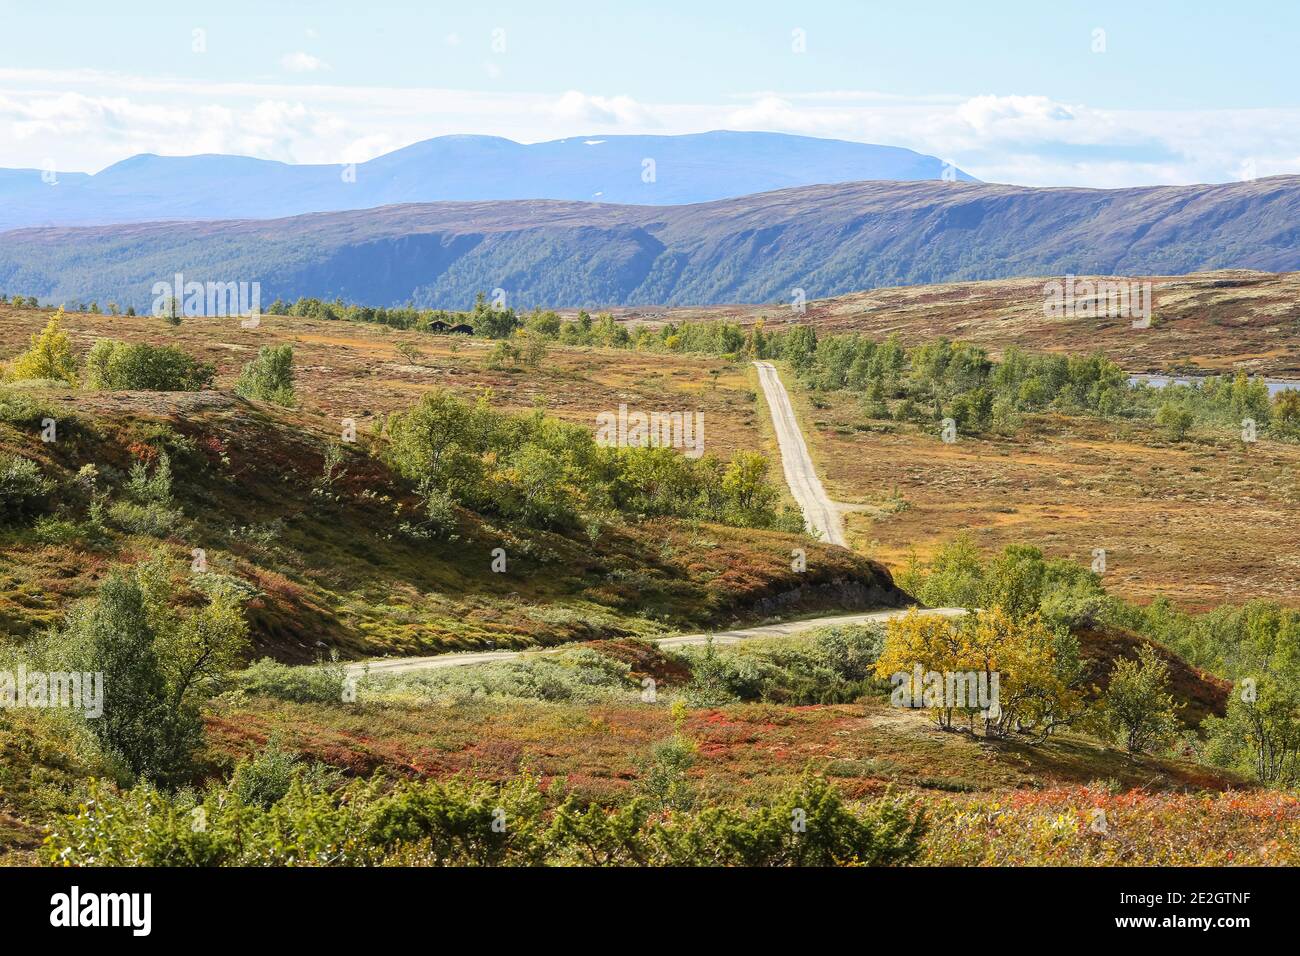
(353, 370)
(1203, 522)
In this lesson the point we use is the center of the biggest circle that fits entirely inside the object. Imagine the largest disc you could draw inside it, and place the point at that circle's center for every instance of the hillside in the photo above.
(827, 240)
(324, 561)
(691, 168)
(1201, 323)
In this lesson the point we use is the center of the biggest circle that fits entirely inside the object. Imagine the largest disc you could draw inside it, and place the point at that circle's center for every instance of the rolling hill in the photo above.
(827, 240)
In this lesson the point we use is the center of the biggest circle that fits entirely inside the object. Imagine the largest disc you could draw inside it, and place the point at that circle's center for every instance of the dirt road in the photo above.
(819, 511)
(397, 665)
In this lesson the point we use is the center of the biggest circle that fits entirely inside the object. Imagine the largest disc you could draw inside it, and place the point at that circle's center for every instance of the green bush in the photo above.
(827, 666)
(117, 366)
(23, 411)
(578, 675)
(664, 775)
(553, 474)
(265, 778)
(438, 510)
(460, 822)
(269, 377)
(152, 520)
(851, 651)
(24, 491)
(148, 509)
(716, 680)
(318, 684)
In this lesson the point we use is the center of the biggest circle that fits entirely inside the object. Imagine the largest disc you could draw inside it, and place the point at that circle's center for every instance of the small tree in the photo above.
(504, 354)
(1032, 695)
(1139, 711)
(157, 664)
(50, 356)
(269, 377)
(1175, 419)
(493, 321)
(534, 349)
(409, 352)
(117, 366)
(1260, 734)
(745, 485)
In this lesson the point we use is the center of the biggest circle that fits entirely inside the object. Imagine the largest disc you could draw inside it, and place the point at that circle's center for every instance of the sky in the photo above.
(1053, 92)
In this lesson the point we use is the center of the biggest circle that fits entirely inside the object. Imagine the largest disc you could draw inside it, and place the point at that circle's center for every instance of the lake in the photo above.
(1159, 381)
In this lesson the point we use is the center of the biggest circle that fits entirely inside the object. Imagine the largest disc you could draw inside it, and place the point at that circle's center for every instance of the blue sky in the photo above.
(1097, 93)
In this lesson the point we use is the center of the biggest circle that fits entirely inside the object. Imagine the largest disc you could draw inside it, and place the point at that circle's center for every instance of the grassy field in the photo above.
(353, 370)
(1204, 522)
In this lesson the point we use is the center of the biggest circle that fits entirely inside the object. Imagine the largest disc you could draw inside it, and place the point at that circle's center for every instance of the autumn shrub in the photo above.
(1035, 693)
(49, 358)
(1096, 827)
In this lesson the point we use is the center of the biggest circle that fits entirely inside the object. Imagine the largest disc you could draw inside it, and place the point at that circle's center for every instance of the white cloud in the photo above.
(576, 107)
(87, 119)
(302, 63)
(984, 113)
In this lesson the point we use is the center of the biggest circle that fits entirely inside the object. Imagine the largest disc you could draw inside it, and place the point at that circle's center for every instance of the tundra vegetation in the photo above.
(611, 752)
(921, 384)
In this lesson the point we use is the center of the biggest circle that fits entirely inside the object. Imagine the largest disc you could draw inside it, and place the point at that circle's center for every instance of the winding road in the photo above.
(819, 511)
(822, 515)
(398, 665)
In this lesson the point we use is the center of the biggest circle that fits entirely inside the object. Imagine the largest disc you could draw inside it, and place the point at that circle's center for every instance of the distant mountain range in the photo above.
(826, 240)
(652, 170)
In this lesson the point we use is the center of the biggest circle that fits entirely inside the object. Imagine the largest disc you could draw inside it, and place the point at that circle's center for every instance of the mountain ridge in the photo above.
(825, 239)
(661, 170)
